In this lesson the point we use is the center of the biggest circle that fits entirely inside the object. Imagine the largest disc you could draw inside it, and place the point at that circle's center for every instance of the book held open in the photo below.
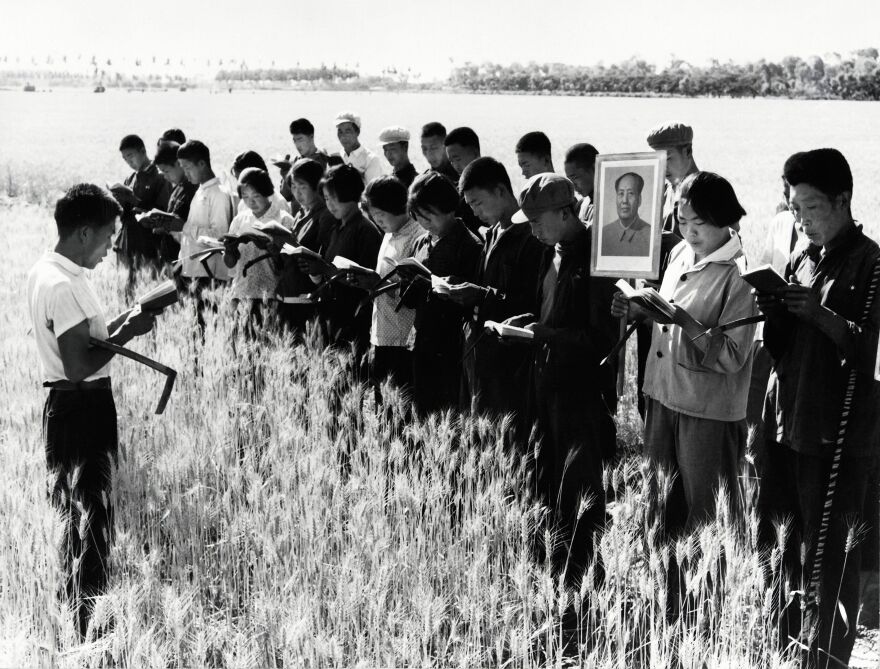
(764, 279)
(509, 331)
(661, 309)
(159, 297)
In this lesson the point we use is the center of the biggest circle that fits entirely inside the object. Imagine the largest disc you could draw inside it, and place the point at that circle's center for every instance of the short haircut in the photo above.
(307, 170)
(463, 136)
(257, 179)
(640, 182)
(712, 198)
(173, 135)
(536, 143)
(823, 169)
(434, 129)
(583, 155)
(345, 182)
(388, 194)
(166, 153)
(334, 160)
(132, 142)
(432, 192)
(302, 126)
(248, 159)
(486, 173)
(194, 151)
(85, 204)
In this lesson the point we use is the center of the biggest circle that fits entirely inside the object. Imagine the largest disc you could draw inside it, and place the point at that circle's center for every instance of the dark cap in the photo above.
(670, 134)
(544, 192)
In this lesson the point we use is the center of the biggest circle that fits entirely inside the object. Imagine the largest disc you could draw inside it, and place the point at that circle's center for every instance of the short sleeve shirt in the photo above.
(60, 296)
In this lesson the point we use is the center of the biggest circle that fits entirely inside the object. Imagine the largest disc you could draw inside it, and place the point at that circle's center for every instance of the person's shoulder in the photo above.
(641, 224)
(611, 224)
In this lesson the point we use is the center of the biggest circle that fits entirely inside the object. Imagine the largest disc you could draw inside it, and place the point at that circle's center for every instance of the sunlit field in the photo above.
(275, 516)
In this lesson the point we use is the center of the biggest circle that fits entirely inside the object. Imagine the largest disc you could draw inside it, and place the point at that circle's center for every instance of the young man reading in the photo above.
(143, 190)
(580, 169)
(434, 150)
(463, 148)
(79, 418)
(496, 373)
(534, 154)
(395, 144)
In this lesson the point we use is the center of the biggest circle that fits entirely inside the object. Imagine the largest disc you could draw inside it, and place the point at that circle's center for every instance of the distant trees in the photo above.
(292, 74)
(854, 78)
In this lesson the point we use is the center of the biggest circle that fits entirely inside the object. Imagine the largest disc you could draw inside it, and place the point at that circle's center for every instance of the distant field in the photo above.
(243, 542)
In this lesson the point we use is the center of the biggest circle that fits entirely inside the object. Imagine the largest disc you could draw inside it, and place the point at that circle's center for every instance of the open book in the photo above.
(209, 243)
(649, 299)
(764, 279)
(341, 262)
(301, 252)
(410, 265)
(509, 331)
(159, 297)
(304, 298)
(277, 232)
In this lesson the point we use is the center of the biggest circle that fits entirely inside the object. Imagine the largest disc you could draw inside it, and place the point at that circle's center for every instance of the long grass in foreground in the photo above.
(275, 516)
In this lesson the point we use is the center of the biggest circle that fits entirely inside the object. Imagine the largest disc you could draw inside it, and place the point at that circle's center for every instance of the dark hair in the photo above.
(639, 180)
(308, 170)
(824, 169)
(712, 198)
(583, 155)
(173, 135)
(302, 126)
(85, 204)
(432, 192)
(486, 173)
(132, 142)
(334, 160)
(463, 136)
(257, 179)
(388, 194)
(194, 151)
(345, 182)
(166, 153)
(434, 129)
(248, 159)
(536, 143)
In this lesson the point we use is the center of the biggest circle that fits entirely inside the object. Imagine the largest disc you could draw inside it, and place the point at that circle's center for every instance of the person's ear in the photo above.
(843, 200)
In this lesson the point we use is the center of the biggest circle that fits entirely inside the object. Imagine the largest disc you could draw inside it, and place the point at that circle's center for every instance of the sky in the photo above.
(429, 37)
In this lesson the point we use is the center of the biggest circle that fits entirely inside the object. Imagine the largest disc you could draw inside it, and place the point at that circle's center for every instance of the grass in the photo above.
(258, 526)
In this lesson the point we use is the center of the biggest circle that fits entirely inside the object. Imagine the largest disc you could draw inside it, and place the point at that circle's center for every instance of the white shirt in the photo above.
(209, 215)
(274, 200)
(59, 297)
(262, 278)
(367, 163)
(389, 328)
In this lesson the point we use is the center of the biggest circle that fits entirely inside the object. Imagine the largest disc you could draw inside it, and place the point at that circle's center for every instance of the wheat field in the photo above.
(275, 516)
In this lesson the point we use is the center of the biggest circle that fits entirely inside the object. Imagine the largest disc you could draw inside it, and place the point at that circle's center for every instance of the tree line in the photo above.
(854, 77)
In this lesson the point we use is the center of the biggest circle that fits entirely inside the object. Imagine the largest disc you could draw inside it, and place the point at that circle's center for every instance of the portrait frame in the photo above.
(631, 250)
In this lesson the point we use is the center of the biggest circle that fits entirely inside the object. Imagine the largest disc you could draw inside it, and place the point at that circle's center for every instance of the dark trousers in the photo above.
(761, 367)
(79, 427)
(436, 379)
(568, 472)
(701, 454)
(793, 486)
(394, 363)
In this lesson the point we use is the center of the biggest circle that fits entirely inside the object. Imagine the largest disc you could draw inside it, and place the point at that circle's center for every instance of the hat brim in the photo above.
(519, 217)
(340, 121)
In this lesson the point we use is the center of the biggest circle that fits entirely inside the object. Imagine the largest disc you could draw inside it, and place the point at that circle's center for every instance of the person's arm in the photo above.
(81, 361)
(373, 169)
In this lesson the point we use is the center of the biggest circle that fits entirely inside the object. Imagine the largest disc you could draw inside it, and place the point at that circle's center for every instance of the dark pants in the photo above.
(436, 379)
(569, 470)
(761, 366)
(701, 454)
(79, 427)
(793, 486)
(393, 363)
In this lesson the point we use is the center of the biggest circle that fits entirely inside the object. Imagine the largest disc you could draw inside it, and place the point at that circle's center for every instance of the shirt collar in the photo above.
(843, 240)
(64, 262)
(408, 228)
(209, 183)
(731, 250)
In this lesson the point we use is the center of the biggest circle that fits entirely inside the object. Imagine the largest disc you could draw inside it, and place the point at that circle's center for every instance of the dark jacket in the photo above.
(359, 240)
(585, 330)
(810, 372)
(151, 191)
(178, 204)
(511, 273)
(318, 224)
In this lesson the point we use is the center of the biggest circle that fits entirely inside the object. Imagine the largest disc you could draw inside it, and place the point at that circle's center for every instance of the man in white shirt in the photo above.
(79, 417)
(348, 130)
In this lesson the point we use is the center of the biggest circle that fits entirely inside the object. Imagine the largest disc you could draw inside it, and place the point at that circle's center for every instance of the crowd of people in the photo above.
(428, 259)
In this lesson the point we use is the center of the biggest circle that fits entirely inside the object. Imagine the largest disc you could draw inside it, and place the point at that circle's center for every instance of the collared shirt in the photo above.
(261, 280)
(626, 240)
(210, 213)
(713, 384)
(367, 163)
(59, 297)
(406, 175)
(390, 327)
(810, 376)
(275, 200)
(180, 199)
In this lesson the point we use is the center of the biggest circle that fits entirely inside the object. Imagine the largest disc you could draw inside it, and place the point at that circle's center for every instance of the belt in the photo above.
(98, 384)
